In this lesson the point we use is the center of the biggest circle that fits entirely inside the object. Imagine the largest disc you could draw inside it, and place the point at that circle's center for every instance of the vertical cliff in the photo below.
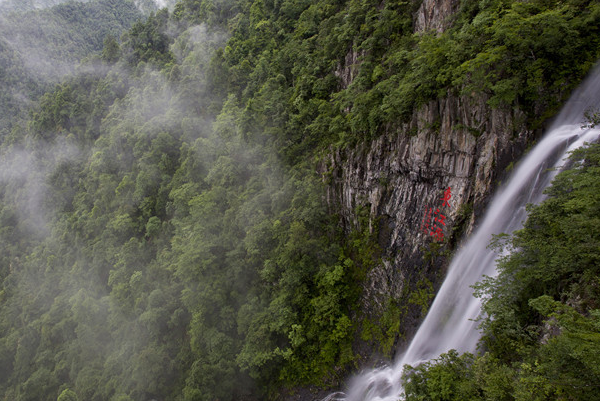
(458, 143)
(455, 143)
(435, 15)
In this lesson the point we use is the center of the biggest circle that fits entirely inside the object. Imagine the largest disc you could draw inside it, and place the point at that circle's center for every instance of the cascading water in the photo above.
(450, 322)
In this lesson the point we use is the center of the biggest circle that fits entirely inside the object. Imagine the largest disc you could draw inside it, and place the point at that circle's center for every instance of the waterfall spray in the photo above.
(450, 323)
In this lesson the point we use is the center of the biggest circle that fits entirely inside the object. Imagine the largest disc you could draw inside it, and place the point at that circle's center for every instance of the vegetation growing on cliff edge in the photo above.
(164, 233)
(541, 328)
(347, 71)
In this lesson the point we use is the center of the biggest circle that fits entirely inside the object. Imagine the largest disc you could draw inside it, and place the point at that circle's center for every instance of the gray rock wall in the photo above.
(435, 15)
(453, 142)
(456, 142)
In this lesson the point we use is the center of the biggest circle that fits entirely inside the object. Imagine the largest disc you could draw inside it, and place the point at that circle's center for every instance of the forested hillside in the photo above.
(37, 48)
(164, 232)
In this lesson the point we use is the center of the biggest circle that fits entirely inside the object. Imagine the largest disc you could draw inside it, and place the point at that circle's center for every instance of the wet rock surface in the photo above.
(435, 15)
(456, 142)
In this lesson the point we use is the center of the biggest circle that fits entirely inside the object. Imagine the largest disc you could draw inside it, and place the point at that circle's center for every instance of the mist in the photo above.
(93, 213)
(28, 5)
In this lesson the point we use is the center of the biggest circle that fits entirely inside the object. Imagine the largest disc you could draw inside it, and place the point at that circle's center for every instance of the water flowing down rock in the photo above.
(450, 323)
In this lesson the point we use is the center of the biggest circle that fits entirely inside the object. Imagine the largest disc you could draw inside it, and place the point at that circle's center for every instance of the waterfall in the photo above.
(450, 322)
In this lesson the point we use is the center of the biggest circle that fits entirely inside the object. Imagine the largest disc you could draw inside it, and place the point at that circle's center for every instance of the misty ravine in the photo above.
(224, 200)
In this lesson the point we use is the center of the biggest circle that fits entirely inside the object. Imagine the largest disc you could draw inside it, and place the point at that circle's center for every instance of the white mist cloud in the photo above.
(24, 5)
(24, 173)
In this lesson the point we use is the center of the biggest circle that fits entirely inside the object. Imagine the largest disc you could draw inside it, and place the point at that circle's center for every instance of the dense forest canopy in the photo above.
(163, 231)
(40, 47)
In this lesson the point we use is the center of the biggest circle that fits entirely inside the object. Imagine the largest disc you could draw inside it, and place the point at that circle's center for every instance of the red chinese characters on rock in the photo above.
(436, 229)
(446, 198)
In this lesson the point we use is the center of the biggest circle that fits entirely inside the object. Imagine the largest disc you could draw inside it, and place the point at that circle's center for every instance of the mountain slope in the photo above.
(192, 219)
(37, 48)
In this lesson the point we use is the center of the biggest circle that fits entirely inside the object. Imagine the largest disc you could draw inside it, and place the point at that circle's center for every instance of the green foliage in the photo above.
(517, 55)
(111, 51)
(383, 331)
(39, 47)
(70, 32)
(422, 295)
(148, 41)
(449, 377)
(183, 258)
(170, 239)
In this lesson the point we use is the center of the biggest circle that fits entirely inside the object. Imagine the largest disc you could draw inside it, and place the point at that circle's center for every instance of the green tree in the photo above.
(111, 51)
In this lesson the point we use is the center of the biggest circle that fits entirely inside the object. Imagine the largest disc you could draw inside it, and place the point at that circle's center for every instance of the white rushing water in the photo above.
(450, 322)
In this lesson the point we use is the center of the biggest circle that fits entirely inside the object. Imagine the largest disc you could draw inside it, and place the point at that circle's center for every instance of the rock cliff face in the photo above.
(456, 142)
(455, 145)
(435, 15)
